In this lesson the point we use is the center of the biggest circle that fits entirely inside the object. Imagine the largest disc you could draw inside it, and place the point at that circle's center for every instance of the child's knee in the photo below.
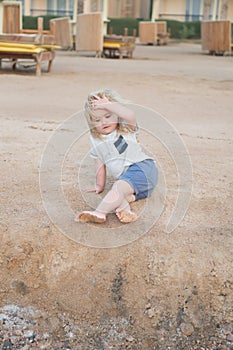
(123, 187)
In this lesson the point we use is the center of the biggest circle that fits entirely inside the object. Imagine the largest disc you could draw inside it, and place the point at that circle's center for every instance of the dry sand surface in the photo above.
(160, 291)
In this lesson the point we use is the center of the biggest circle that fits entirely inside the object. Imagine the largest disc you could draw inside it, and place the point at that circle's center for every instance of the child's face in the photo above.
(105, 122)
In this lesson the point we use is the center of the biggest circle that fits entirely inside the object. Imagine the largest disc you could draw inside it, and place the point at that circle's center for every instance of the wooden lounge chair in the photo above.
(38, 53)
(118, 45)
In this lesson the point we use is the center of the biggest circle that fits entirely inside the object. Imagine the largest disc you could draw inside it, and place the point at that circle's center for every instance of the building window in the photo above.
(60, 7)
(193, 10)
(50, 7)
(217, 10)
(196, 10)
(187, 11)
(22, 5)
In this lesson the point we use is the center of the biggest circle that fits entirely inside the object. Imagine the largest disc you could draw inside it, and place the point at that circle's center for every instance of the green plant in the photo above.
(187, 32)
(174, 27)
(30, 22)
(184, 30)
(118, 25)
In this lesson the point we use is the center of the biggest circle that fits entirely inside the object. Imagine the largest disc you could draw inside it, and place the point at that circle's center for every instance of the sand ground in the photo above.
(163, 282)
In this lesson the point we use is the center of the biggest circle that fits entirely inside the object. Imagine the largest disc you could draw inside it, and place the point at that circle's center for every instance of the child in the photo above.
(114, 147)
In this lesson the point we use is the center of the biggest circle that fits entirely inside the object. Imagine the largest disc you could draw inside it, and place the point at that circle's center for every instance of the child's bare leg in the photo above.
(115, 198)
(131, 198)
(124, 212)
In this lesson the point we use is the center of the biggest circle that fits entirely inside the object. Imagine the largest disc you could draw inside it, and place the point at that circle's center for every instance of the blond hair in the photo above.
(112, 96)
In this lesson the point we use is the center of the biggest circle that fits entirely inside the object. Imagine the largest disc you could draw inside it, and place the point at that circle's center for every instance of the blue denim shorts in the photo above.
(143, 177)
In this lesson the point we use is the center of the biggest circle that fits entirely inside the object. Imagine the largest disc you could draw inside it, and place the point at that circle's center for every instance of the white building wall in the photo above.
(1, 17)
(173, 9)
(230, 10)
(167, 9)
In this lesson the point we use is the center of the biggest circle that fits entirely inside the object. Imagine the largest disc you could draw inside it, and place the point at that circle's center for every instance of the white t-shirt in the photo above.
(117, 151)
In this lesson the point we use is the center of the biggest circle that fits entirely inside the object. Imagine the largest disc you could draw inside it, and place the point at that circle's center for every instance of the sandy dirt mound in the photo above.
(159, 291)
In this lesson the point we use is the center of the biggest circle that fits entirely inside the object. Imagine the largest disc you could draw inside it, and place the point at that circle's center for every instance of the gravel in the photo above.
(28, 328)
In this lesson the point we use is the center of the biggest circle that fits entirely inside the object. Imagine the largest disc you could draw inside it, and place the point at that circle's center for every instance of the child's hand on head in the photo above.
(99, 102)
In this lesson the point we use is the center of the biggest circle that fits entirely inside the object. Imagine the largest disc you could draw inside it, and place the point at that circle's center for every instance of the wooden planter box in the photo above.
(11, 17)
(153, 33)
(148, 32)
(61, 29)
(216, 36)
(89, 32)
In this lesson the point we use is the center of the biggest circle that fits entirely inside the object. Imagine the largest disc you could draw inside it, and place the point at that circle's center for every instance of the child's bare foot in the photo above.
(91, 216)
(126, 216)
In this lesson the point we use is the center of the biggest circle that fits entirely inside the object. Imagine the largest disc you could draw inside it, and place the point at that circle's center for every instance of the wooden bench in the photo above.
(163, 34)
(14, 52)
(34, 45)
(118, 46)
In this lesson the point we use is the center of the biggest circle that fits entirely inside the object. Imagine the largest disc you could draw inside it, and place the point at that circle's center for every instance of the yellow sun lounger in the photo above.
(38, 53)
(118, 45)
